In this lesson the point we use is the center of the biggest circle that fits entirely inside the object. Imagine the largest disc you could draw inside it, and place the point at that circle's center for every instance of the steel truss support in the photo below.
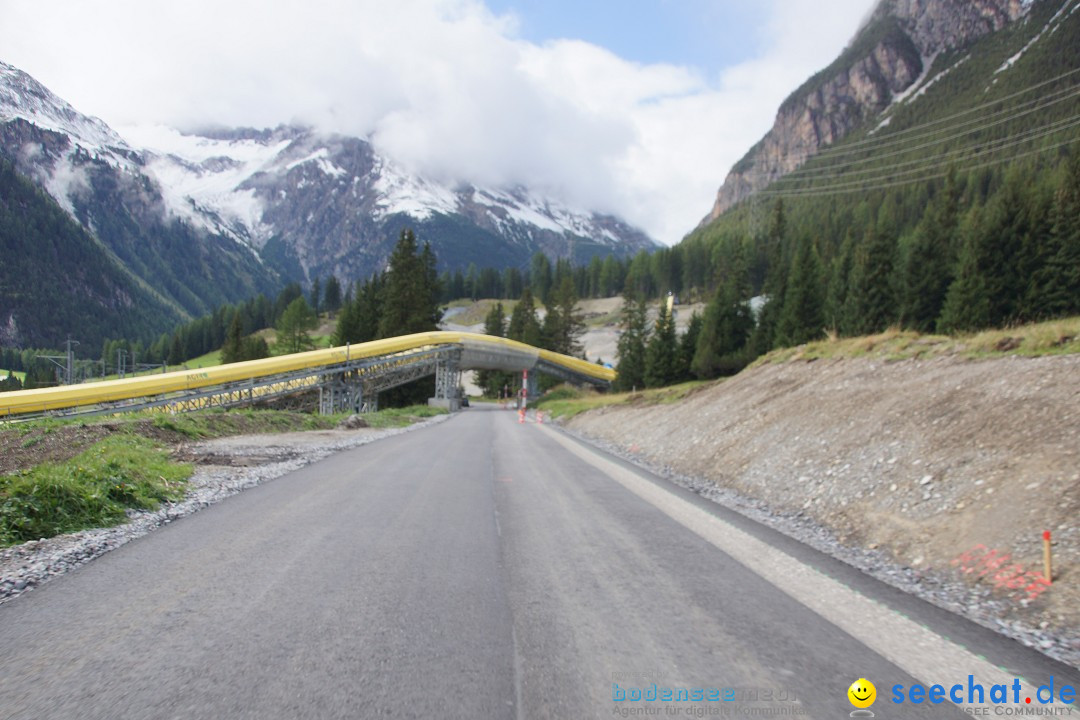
(351, 386)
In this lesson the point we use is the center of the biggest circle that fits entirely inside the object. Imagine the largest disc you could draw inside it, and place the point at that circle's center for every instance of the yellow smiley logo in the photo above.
(862, 693)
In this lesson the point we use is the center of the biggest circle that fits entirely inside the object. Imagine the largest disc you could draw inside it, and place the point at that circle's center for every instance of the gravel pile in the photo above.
(238, 463)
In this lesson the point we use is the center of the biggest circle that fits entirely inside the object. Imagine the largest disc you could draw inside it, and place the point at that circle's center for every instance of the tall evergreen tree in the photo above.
(493, 381)
(410, 298)
(726, 330)
(662, 351)
(774, 287)
(295, 324)
(176, 350)
(967, 304)
(1054, 290)
(871, 301)
(688, 346)
(233, 349)
(1000, 250)
(567, 324)
(928, 265)
(524, 325)
(332, 295)
(802, 317)
(540, 276)
(836, 295)
(632, 343)
(346, 329)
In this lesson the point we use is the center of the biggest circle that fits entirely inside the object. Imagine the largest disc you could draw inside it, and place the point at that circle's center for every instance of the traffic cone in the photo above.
(540, 416)
(521, 416)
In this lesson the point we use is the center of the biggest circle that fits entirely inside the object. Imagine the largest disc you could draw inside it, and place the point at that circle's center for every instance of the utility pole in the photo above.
(120, 353)
(64, 363)
(70, 359)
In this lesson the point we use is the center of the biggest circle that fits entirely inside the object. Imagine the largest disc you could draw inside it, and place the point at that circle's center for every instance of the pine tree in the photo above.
(871, 301)
(1055, 286)
(524, 326)
(540, 276)
(1006, 224)
(774, 287)
(836, 295)
(294, 325)
(254, 347)
(176, 351)
(346, 330)
(332, 295)
(726, 330)
(662, 351)
(802, 316)
(567, 324)
(232, 350)
(633, 340)
(967, 303)
(688, 346)
(410, 301)
(368, 308)
(492, 381)
(927, 270)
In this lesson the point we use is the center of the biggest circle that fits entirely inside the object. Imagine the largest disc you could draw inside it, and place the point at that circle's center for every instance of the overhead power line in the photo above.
(856, 144)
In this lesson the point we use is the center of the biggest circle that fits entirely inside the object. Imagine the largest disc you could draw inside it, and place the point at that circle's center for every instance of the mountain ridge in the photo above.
(890, 53)
(219, 216)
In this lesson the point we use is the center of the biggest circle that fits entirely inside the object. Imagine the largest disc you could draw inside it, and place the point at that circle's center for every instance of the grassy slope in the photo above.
(1058, 337)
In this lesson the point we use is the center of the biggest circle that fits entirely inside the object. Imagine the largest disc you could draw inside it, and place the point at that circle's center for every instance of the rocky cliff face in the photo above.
(885, 58)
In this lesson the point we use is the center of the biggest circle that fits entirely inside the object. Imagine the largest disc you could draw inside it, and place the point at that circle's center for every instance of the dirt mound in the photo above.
(951, 465)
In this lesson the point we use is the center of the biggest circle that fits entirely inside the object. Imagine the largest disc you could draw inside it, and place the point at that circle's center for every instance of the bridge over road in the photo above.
(349, 377)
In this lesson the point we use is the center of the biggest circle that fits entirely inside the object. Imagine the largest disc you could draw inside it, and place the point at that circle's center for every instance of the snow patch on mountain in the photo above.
(321, 158)
(1054, 21)
(23, 97)
(411, 195)
(201, 178)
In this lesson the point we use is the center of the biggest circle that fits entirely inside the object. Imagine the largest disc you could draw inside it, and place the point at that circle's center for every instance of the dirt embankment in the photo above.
(953, 467)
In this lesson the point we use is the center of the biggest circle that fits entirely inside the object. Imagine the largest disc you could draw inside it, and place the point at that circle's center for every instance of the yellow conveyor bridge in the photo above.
(348, 378)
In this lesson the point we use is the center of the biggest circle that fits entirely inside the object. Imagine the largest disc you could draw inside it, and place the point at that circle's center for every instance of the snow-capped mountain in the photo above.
(289, 203)
(330, 203)
(100, 181)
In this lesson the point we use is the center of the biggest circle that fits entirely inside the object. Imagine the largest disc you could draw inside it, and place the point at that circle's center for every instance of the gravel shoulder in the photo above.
(224, 467)
(938, 476)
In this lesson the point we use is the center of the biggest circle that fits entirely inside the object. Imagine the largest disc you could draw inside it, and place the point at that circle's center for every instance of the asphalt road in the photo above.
(475, 569)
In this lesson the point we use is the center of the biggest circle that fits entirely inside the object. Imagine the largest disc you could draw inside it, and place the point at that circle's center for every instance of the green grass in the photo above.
(93, 489)
(1056, 337)
(210, 359)
(220, 423)
(402, 417)
(566, 402)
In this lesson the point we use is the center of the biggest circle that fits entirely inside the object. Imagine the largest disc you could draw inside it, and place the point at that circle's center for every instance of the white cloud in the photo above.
(444, 86)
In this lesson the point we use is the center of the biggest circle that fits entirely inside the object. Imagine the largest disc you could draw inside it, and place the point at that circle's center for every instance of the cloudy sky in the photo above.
(636, 107)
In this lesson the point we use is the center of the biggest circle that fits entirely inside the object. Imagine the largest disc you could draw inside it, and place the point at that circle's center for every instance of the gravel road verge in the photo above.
(225, 467)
